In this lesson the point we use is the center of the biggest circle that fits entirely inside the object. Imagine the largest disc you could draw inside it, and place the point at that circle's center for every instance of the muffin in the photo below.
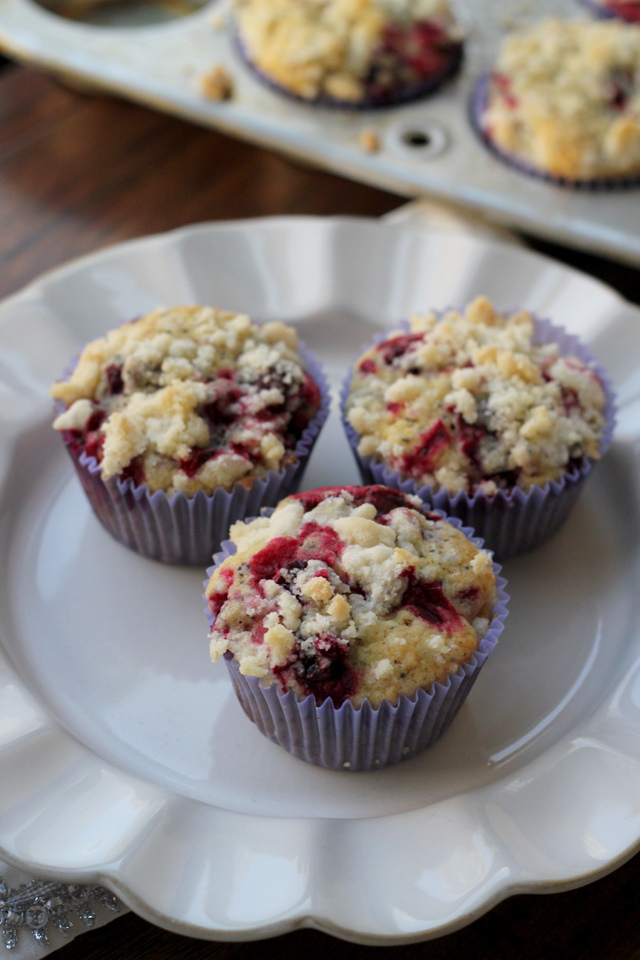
(625, 9)
(563, 102)
(484, 415)
(349, 600)
(352, 53)
(179, 421)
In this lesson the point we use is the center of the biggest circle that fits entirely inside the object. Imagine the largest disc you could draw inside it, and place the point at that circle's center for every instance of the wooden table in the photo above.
(77, 173)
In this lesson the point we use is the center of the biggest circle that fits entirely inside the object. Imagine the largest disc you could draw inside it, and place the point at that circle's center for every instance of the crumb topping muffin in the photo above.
(351, 593)
(348, 50)
(468, 402)
(188, 398)
(564, 97)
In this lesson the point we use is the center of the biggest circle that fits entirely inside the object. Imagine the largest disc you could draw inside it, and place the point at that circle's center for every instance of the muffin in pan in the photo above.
(563, 102)
(353, 621)
(494, 418)
(181, 420)
(350, 53)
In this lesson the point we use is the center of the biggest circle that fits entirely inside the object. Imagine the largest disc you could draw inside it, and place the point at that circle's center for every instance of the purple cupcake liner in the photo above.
(604, 12)
(188, 530)
(510, 522)
(477, 106)
(405, 95)
(361, 738)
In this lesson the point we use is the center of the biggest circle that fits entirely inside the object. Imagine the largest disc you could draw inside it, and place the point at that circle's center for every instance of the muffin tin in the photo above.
(425, 147)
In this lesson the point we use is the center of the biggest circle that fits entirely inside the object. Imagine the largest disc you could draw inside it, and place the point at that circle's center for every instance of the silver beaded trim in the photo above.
(43, 904)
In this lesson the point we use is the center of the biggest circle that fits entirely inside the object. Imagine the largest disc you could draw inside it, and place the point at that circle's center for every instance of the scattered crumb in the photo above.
(369, 141)
(216, 84)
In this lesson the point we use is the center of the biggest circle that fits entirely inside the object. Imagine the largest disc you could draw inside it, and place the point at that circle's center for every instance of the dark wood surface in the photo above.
(78, 173)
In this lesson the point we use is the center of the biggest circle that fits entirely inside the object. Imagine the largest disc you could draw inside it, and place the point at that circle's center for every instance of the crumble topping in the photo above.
(354, 593)
(216, 84)
(188, 398)
(468, 402)
(348, 49)
(369, 141)
(565, 97)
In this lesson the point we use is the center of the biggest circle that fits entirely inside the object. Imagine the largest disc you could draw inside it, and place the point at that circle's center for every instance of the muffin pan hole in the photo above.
(416, 138)
(424, 140)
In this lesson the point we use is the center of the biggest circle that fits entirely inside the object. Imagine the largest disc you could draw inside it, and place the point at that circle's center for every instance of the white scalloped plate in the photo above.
(123, 754)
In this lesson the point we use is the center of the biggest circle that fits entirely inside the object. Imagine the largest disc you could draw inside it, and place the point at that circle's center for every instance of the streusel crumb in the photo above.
(216, 84)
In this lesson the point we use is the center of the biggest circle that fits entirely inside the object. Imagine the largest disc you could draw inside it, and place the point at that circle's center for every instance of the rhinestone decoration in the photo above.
(45, 903)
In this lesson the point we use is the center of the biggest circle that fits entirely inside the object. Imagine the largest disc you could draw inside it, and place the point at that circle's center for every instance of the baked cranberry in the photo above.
(427, 601)
(93, 444)
(468, 595)
(425, 457)
(308, 400)
(627, 9)
(505, 479)
(218, 411)
(134, 471)
(398, 346)
(276, 554)
(368, 366)
(408, 56)
(195, 461)
(503, 83)
(115, 383)
(320, 543)
(570, 401)
(326, 674)
(470, 437)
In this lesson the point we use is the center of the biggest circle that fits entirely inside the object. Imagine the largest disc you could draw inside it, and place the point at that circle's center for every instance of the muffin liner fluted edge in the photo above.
(477, 106)
(362, 738)
(188, 530)
(514, 521)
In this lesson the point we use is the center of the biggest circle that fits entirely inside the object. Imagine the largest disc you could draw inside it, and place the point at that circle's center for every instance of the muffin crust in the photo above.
(351, 593)
(347, 50)
(188, 398)
(467, 402)
(564, 97)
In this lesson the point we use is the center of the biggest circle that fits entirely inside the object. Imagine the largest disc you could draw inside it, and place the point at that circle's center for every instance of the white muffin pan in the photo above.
(425, 148)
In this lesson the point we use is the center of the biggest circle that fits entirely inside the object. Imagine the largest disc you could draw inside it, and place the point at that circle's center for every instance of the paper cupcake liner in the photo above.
(477, 107)
(604, 12)
(405, 95)
(510, 522)
(188, 530)
(362, 738)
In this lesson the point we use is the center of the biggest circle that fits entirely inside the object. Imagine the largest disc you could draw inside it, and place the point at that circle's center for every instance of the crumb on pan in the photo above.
(369, 141)
(216, 84)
